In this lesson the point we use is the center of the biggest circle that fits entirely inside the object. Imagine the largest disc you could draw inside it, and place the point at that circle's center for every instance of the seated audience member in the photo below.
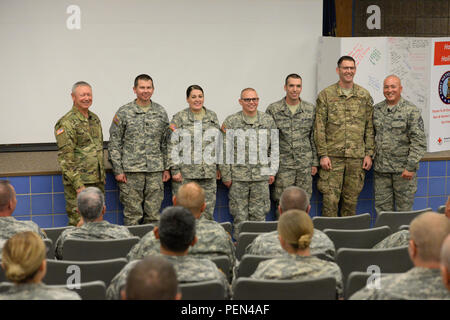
(445, 262)
(24, 262)
(153, 278)
(295, 231)
(91, 206)
(9, 226)
(267, 244)
(401, 238)
(423, 281)
(176, 233)
(213, 240)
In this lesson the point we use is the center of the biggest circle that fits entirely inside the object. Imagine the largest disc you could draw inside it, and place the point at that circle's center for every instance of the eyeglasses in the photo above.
(250, 99)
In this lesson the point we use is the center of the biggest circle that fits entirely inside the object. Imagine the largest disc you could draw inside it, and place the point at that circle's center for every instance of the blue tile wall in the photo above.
(41, 198)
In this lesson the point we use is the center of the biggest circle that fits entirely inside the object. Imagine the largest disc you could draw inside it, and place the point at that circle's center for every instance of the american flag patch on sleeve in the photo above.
(59, 131)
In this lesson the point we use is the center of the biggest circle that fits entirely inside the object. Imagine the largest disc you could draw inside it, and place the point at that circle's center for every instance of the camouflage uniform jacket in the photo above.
(138, 139)
(400, 140)
(415, 284)
(80, 144)
(198, 168)
(38, 291)
(101, 230)
(397, 239)
(295, 267)
(187, 268)
(344, 125)
(296, 132)
(213, 241)
(246, 171)
(268, 244)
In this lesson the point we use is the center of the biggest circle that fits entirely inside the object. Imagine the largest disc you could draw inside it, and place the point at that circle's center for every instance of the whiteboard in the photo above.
(223, 46)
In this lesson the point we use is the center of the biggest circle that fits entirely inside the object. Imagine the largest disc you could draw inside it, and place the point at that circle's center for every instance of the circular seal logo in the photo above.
(444, 88)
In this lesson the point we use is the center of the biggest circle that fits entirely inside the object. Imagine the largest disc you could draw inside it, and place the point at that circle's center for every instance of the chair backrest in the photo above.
(360, 221)
(245, 238)
(49, 247)
(441, 209)
(314, 289)
(357, 280)
(203, 290)
(395, 219)
(63, 271)
(363, 238)
(89, 250)
(393, 260)
(403, 227)
(227, 226)
(258, 226)
(224, 264)
(248, 264)
(54, 233)
(141, 229)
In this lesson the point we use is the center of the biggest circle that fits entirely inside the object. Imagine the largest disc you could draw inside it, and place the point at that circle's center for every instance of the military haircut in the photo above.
(345, 58)
(191, 196)
(6, 194)
(294, 197)
(80, 84)
(153, 278)
(296, 228)
(176, 228)
(428, 232)
(247, 89)
(293, 76)
(193, 87)
(144, 77)
(90, 202)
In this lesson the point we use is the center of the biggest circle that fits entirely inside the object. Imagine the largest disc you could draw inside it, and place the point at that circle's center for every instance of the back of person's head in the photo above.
(294, 198)
(428, 231)
(176, 229)
(90, 203)
(153, 278)
(7, 194)
(296, 228)
(22, 256)
(192, 197)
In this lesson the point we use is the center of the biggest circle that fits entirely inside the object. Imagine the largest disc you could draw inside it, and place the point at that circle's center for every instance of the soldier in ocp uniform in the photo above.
(248, 180)
(138, 153)
(400, 143)
(294, 118)
(343, 132)
(79, 138)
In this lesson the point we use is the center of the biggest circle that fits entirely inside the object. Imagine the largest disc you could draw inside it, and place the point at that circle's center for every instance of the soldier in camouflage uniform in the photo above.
(176, 232)
(188, 128)
(268, 244)
(400, 143)
(91, 205)
(423, 281)
(294, 118)
(295, 229)
(397, 239)
(79, 138)
(212, 241)
(9, 226)
(343, 132)
(249, 196)
(137, 150)
(23, 260)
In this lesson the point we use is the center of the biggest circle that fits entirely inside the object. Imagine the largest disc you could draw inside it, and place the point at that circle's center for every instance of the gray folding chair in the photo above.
(441, 209)
(403, 227)
(363, 238)
(204, 290)
(245, 238)
(64, 271)
(54, 233)
(314, 289)
(93, 290)
(89, 250)
(360, 221)
(394, 260)
(49, 247)
(249, 263)
(394, 219)
(227, 226)
(356, 281)
(140, 230)
(258, 226)
(224, 264)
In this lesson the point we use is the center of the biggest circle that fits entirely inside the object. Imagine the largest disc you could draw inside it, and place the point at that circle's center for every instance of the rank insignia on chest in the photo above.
(223, 128)
(59, 131)
(116, 120)
(173, 127)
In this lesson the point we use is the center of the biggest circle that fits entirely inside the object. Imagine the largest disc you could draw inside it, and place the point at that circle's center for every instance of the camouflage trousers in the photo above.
(141, 197)
(287, 177)
(248, 201)
(344, 183)
(70, 194)
(210, 187)
(394, 193)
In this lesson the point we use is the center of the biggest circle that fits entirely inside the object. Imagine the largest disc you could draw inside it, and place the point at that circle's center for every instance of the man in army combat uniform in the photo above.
(343, 132)
(79, 138)
(400, 143)
(138, 152)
